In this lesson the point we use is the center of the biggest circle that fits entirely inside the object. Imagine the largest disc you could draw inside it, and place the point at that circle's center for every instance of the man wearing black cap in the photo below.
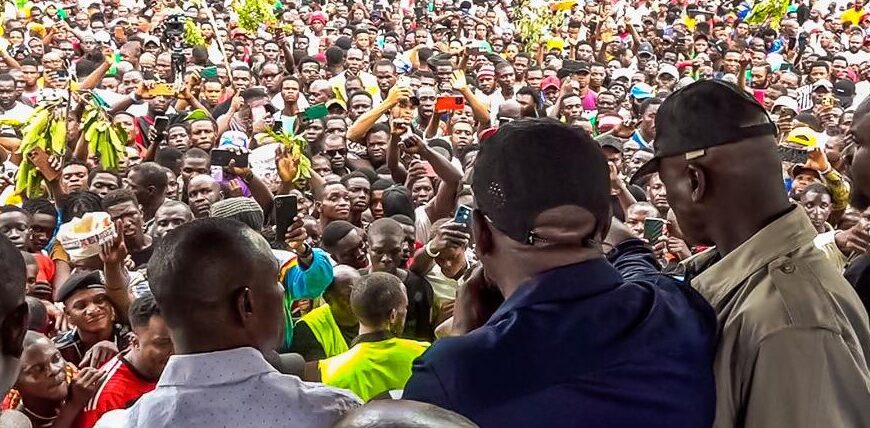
(95, 338)
(539, 234)
(794, 343)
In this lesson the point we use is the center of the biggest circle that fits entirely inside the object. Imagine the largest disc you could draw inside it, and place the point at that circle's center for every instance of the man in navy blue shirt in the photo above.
(579, 341)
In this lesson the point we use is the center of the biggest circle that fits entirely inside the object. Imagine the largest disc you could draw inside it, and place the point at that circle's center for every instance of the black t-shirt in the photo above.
(141, 257)
(306, 344)
(418, 322)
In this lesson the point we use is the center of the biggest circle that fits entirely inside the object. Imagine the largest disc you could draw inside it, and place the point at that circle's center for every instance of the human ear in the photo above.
(698, 182)
(244, 303)
(480, 233)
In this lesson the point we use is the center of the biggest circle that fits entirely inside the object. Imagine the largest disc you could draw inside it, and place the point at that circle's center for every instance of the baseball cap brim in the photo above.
(650, 167)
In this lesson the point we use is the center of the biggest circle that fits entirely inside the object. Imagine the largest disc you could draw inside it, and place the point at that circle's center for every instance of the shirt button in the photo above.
(787, 268)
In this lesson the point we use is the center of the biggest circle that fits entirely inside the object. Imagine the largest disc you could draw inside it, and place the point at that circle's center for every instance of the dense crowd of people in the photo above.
(435, 214)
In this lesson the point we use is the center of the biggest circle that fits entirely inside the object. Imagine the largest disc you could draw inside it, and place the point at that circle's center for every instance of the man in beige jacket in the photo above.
(794, 336)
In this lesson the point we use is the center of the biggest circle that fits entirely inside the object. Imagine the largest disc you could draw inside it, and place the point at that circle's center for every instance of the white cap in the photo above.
(786, 102)
(824, 83)
(669, 69)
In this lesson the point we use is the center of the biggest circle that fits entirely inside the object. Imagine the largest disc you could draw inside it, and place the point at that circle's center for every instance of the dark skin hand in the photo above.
(476, 301)
(99, 353)
(295, 238)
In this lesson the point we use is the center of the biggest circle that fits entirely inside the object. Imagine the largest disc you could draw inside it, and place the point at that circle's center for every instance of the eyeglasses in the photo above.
(336, 152)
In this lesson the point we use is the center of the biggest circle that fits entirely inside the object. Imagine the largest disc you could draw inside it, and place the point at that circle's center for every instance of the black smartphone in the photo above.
(653, 228)
(160, 124)
(285, 211)
(793, 154)
(220, 157)
(277, 126)
(463, 215)
(61, 74)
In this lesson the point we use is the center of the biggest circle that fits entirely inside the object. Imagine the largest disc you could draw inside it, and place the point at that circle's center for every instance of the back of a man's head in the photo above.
(215, 282)
(569, 172)
(402, 414)
(376, 297)
(13, 312)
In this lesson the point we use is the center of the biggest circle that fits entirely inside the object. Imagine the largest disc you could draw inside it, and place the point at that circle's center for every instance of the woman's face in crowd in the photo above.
(43, 372)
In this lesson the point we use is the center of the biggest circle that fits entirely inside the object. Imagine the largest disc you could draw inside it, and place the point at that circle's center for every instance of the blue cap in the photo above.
(641, 91)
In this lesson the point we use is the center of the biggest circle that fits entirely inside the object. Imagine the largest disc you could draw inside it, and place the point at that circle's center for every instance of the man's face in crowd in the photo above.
(153, 346)
(648, 119)
(634, 218)
(607, 103)
(73, 178)
(731, 62)
(427, 97)
(15, 226)
(41, 229)
(354, 61)
(527, 105)
(336, 202)
(376, 147)
(159, 104)
(202, 134)
(759, 77)
(534, 78)
(521, 65)
(385, 252)
(789, 80)
(313, 131)
(203, 191)
(193, 166)
(271, 51)
(572, 107)
(290, 91)
(211, 92)
(129, 82)
(582, 77)
(271, 76)
(177, 138)
(658, 194)
(131, 217)
(839, 68)
(103, 183)
(335, 148)
(856, 42)
(818, 73)
(360, 193)
(359, 105)
(242, 79)
(596, 76)
(30, 74)
(90, 311)
(7, 94)
(386, 76)
(310, 72)
(443, 73)
(463, 135)
(818, 207)
(486, 84)
(422, 191)
(506, 77)
(163, 66)
(168, 218)
(584, 52)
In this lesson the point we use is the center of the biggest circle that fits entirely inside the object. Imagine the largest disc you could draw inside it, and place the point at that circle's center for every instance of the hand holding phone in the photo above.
(286, 209)
(653, 228)
(449, 103)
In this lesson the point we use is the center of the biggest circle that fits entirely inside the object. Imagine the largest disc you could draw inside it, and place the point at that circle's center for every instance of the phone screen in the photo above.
(285, 211)
(653, 228)
(793, 154)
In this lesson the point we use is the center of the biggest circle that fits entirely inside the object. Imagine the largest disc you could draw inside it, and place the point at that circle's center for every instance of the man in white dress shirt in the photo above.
(215, 281)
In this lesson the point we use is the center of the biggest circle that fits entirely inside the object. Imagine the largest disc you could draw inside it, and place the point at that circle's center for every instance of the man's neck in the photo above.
(90, 339)
(740, 230)
(139, 243)
(290, 109)
(365, 329)
(149, 209)
(355, 218)
(135, 359)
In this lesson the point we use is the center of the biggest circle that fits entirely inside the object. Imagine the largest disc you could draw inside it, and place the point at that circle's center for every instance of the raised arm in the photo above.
(363, 123)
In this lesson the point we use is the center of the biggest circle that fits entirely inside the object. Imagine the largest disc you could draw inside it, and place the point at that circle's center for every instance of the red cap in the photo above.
(551, 82)
(317, 16)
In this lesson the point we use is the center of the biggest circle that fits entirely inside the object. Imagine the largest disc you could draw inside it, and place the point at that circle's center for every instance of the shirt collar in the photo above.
(214, 368)
(571, 282)
(715, 277)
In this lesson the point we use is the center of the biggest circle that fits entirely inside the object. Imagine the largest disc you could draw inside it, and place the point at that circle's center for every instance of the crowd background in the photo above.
(371, 116)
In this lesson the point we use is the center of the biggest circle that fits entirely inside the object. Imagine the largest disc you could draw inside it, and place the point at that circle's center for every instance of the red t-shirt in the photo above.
(121, 387)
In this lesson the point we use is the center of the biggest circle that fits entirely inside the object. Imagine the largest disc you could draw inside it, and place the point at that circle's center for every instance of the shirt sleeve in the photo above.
(840, 190)
(634, 260)
(828, 245)
(309, 283)
(807, 377)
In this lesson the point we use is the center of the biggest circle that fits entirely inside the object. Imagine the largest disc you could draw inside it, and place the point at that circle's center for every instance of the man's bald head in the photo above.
(220, 268)
(403, 414)
(510, 108)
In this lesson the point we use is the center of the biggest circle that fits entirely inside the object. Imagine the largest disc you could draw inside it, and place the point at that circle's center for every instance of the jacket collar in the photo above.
(715, 277)
(571, 282)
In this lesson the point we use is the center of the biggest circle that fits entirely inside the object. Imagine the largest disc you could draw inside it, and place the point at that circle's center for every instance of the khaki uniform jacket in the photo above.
(794, 341)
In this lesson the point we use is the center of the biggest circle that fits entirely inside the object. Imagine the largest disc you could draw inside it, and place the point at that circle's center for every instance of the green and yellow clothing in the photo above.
(376, 363)
(318, 336)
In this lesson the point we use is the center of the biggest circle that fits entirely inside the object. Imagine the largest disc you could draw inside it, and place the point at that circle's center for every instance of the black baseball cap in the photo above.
(532, 165)
(705, 114)
(80, 281)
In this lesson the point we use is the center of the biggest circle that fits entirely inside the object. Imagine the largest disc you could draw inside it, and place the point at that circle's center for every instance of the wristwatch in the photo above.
(307, 251)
